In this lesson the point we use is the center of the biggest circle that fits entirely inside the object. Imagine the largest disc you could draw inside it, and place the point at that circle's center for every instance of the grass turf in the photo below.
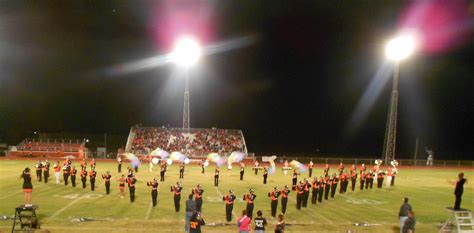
(428, 190)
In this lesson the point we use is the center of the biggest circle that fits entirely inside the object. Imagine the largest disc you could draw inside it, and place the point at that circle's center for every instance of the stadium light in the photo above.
(186, 52)
(397, 49)
(400, 47)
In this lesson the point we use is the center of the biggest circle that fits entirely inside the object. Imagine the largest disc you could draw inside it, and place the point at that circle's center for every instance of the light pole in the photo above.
(186, 53)
(397, 49)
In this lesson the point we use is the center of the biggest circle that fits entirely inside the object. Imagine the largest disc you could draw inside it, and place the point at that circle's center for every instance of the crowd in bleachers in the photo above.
(49, 145)
(190, 142)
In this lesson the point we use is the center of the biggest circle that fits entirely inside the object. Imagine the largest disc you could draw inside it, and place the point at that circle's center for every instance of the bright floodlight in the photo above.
(400, 47)
(186, 52)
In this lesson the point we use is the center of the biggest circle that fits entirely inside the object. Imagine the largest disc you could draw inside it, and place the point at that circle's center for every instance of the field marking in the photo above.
(314, 211)
(68, 205)
(147, 216)
(220, 193)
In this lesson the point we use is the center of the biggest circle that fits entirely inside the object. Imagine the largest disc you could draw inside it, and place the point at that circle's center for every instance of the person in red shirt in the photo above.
(244, 222)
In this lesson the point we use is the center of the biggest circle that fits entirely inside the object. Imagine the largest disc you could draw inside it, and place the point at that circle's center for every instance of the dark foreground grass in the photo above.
(59, 205)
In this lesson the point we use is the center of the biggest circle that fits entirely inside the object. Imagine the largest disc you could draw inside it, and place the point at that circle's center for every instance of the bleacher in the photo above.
(48, 148)
(192, 142)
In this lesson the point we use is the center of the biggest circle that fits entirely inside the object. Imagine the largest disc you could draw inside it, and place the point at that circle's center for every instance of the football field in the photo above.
(61, 206)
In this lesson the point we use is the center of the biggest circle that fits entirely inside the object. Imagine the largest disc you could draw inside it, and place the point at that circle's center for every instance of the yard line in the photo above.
(219, 192)
(68, 205)
(149, 211)
(314, 211)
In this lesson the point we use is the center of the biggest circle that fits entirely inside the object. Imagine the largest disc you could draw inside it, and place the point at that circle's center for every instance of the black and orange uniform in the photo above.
(265, 175)
(66, 173)
(131, 187)
(326, 170)
(310, 168)
(39, 170)
(130, 173)
(122, 181)
(92, 164)
(216, 176)
(362, 180)
(314, 191)
(92, 175)
(250, 198)
(342, 180)
(176, 189)
(334, 185)
(202, 167)
(299, 195)
(83, 175)
(346, 181)
(294, 180)
(198, 191)
(73, 177)
(46, 171)
(380, 179)
(154, 191)
(229, 205)
(83, 164)
(162, 173)
(370, 180)
(353, 179)
(274, 203)
(327, 187)
(362, 168)
(27, 185)
(256, 167)
(107, 177)
(284, 199)
(181, 171)
(307, 187)
(321, 189)
(242, 171)
(195, 224)
(340, 168)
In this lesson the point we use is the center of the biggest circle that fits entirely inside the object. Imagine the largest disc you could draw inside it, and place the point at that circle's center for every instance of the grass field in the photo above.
(428, 190)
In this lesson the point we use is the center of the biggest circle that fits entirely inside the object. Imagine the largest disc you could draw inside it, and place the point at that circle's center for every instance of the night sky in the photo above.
(294, 89)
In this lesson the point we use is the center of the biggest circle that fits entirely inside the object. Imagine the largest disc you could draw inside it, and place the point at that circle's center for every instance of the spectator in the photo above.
(190, 209)
(243, 223)
(458, 190)
(280, 224)
(409, 226)
(403, 213)
(260, 222)
(196, 222)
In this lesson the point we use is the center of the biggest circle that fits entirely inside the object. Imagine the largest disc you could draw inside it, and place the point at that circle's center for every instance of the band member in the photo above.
(284, 198)
(57, 171)
(195, 223)
(362, 180)
(340, 168)
(107, 177)
(299, 194)
(353, 178)
(285, 167)
(310, 168)
(83, 164)
(294, 180)
(321, 189)
(122, 181)
(39, 170)
(181, 171)
(83, 175)
(274, 196)
(307, 187)
(326, 170)
(119, 165)
(216, 176)
(131, 187)
(335, 180)
(314, 191)
(27, 186)
(92, 175)
(380, 179)
(342, 181)
(370, 180)
(92, 164)
(362, 168)
(198, 191)
(256, 167)
(150, 162)
(327, 187)
(229, 204)
(130, 172)
(202, 166)
(250, 198)
(66, 172)
(265, 174)
(242, 171)
(73, 176)
(162, 172)
(346, 181)
(154, 190)
(46, 171)
(176, 189)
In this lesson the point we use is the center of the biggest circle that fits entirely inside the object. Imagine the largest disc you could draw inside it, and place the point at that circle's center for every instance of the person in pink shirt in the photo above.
(243, 223)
